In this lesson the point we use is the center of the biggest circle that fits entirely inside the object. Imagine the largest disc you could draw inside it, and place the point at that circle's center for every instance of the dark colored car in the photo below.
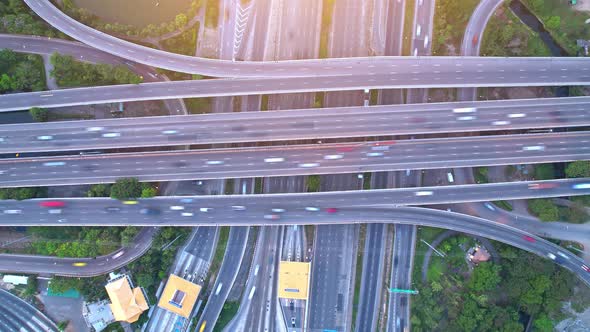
(150, 211)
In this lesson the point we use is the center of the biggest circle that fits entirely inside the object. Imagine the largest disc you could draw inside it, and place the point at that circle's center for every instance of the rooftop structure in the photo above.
(179, 296)
(294, 280)
(15, 280)
(127, 304)
(97, 315)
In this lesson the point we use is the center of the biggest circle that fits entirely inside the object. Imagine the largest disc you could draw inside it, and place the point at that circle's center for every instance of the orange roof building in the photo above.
(126, 304)
(179, 296)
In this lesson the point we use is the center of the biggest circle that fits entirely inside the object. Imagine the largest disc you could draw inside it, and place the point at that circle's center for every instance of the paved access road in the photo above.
(296, 124)
(46, 265)
(401, 275)
(404, 73)
(224, 68)
(17, 315)
(94, 212)
(297, 159)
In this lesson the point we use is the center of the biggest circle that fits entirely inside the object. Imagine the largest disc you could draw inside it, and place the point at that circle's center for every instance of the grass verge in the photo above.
(408, 27)
(327, 13)
(503, 205)
(359, 272)
(227, 313)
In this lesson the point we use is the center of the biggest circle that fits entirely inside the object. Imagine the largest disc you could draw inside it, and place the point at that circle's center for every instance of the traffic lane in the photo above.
(86, 267)
(297, 160)
(209, 67)
(371, 278)
(170, 210)
(291, 125)
(419, 74)
(475, 28)
(400, 276)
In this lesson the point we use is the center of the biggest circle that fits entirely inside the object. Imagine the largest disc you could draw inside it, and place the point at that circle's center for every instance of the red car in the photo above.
(542, 185)
(331, 210)
(52, 204)
(475, 40)
(346, 149)
(585, 267)
(384, 143)
(528, 238)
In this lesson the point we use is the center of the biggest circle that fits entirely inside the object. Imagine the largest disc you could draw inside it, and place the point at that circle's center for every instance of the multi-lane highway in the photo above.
(405, 73)
(296, 124)
(297, 159)
(251, 209)
(18, 315)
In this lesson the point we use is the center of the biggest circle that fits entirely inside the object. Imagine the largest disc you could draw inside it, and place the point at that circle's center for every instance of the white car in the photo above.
(418, 30)
(374, 154)
(93, 129)
(307, 165)
(187, 214)
(54, 211)
(466, 118)
(238, 208)
(562, 255)
(312, 209)
(516, 115)
(13, 211)
(423, 193)
(333, 156)
(425, 41)
(111, 135)
(170, 132)
(533, 148)
(465, 110)
(277, 210)
(501, 123)
(489, 206)
(215, 162)
(54, 163)
(205, 209)
(274, 160)
(176, 208)
(45, 138)
(552, 256)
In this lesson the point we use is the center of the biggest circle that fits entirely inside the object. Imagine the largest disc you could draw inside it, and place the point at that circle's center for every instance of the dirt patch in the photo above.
(582, 6)
(108, 111)
(514, 93)
(579, 322)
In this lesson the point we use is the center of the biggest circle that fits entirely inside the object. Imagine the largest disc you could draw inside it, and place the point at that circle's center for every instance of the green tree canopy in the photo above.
(126, 188)
(578, 169)
(39, 114)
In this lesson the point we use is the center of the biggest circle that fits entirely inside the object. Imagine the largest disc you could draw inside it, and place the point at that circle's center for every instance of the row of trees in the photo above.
(151, 30)
(20, 72)
(71, 73)
(126, 188)
(23, 193)
(79, 241)
(493, 296)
